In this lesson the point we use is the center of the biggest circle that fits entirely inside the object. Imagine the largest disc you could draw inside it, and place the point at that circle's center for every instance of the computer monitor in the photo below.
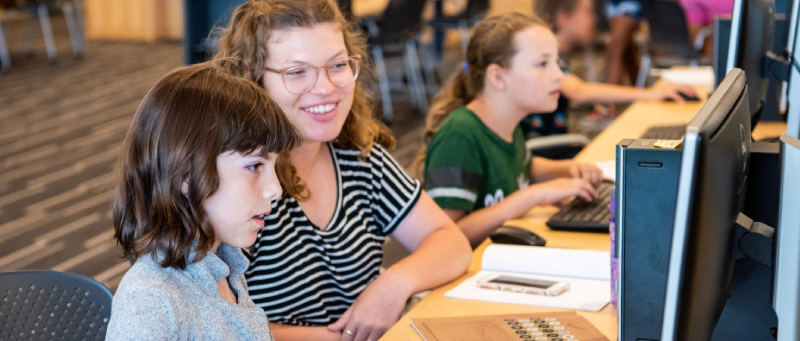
(711, 193)
(786, 266)
(719, 60)
(786, 298)
(793, 87)
(752, 31)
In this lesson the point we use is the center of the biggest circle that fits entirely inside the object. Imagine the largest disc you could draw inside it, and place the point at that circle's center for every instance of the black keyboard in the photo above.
(580, 215)
(665, 133)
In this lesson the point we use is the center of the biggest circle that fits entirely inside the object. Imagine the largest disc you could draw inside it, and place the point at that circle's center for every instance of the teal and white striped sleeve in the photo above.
(452, 175)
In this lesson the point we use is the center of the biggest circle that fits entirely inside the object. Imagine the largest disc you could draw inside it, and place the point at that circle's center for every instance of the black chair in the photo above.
(397, 33)
(5, 58)
(473, 12)
(669, 43)
(44, 305)
(73, 14)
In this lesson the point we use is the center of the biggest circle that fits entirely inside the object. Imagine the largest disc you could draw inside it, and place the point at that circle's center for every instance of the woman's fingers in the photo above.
(338, 325)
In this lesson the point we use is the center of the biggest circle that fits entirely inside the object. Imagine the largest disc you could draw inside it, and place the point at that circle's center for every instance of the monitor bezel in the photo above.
(786, 299)
(733, 43)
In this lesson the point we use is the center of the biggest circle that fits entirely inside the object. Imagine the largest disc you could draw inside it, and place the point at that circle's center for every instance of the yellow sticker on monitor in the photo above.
(668, 144)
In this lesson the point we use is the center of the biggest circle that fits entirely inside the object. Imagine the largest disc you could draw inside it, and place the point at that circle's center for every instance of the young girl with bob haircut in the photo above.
(196, 174)
(476, 166)
(315, 266)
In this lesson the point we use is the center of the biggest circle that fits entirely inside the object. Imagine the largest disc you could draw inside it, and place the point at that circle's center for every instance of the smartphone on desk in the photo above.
(533, 286)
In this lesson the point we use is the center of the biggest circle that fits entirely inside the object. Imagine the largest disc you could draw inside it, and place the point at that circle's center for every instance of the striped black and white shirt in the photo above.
(303, 275)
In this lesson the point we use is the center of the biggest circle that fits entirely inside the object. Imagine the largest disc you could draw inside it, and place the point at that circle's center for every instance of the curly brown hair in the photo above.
(243, 50)
(191, 116)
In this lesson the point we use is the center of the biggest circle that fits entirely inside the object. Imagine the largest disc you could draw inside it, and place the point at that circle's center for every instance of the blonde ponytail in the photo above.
(454, 93)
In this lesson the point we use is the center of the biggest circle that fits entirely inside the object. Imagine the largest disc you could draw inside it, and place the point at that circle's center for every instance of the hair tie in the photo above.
(466, 66)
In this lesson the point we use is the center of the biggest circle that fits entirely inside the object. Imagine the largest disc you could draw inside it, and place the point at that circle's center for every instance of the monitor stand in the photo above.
(748, 313)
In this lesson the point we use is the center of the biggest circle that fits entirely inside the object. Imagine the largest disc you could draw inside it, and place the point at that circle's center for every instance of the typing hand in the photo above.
(588, 172)
(666, 90)
(375, 311)
(554, 191)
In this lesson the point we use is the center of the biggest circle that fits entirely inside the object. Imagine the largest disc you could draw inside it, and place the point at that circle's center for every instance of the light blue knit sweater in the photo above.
(155, 303)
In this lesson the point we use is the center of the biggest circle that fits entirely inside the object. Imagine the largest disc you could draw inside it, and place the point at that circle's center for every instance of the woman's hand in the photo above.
(375, 311)
(588, 172)
(554, 191)
(667, 90)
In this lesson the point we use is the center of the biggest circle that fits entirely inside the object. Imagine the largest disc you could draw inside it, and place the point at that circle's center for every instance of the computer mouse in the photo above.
(516, 236)
(685, 97)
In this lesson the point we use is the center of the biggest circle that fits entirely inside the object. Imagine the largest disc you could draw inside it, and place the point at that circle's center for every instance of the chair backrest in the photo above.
(400, 18)
(43, 304)
(668, 28)
(477, 7)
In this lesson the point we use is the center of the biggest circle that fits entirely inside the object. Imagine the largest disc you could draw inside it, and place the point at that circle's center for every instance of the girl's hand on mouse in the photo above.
(585, 171)
(554, 191)
(667, 90)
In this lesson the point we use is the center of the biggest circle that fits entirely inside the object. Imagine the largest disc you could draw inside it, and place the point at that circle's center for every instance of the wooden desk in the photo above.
(642, 115)
(630, 124)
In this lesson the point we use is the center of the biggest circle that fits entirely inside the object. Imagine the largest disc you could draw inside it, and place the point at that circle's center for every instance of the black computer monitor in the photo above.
(722, 37)
(793, 87)
(711, 193)
(786, 298)
(752, 31)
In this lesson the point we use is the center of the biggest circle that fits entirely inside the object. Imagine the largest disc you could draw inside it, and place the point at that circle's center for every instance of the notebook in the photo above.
(588, 273)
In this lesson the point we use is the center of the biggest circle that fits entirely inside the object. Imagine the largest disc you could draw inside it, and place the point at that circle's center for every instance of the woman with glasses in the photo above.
(315, 266)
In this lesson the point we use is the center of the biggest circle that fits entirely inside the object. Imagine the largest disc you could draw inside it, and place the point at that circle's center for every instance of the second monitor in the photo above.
(711, 194)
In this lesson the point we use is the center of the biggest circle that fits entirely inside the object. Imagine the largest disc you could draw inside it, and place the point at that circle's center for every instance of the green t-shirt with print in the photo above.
(469, 167)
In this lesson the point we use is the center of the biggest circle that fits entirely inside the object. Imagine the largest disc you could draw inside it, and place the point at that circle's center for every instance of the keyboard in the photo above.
(665, 133)
(580, 215)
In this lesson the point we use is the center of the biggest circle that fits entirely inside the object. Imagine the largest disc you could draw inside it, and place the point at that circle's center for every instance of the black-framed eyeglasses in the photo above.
(302, 78)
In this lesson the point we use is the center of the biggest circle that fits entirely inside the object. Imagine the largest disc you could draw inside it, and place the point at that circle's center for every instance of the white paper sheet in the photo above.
(609, 169)
(588, 273)
(584, 294)
(548, 261)
(703, 75)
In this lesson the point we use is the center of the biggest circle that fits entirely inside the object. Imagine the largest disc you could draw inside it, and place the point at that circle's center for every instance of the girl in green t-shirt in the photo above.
(475, 164)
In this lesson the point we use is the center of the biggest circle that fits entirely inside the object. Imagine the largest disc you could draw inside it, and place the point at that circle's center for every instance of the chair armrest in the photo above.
(557, 140)
(701, 37)
(557, 147)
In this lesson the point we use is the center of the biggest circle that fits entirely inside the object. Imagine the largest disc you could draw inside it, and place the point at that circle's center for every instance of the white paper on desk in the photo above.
(550, 261)
(609, 169)
(588, 273)
(583, 294)
(703, 75)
